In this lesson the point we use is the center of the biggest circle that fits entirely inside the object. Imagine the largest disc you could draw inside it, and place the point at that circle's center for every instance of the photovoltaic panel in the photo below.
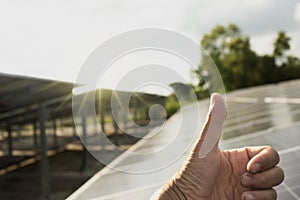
(266, 115)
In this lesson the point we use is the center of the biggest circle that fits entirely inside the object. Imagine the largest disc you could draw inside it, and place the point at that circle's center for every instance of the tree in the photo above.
(239, 65)
(281, 45)
(288, 66)
(232, 53)
(182, 91)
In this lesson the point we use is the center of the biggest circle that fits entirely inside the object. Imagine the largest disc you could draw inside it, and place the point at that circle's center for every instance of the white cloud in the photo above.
(263, 43)
(297, 12)
(254, 17)
(295, 43)
(53, 38)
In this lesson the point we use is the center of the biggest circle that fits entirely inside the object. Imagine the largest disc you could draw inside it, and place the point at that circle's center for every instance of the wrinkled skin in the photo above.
(246, 173)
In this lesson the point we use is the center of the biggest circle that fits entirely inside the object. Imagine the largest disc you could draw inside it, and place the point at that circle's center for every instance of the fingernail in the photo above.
(217, 113)
(249, 197)
(247, 180)
(255, 168)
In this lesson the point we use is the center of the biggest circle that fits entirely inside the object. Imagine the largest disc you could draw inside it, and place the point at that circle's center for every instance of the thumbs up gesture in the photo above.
(212, 174)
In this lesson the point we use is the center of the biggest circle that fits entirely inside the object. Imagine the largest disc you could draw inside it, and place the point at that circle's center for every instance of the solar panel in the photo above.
(267, 115)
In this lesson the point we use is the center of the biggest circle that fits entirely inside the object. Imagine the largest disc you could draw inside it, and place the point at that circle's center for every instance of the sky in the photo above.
(52, 39)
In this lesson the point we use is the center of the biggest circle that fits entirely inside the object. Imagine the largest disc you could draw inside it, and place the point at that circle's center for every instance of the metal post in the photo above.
(19, 133)
(116, 127)
(10, 144)
(35, 143)
(62, 124)
(95, 126)
(74, 130)
(102, 120)
(84, 151)
(54, 132)
(45, 178)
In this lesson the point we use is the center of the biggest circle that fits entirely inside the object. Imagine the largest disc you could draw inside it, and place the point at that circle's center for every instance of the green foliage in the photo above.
(281, 44)
(240, 66)
(172, 105)
(183, 91)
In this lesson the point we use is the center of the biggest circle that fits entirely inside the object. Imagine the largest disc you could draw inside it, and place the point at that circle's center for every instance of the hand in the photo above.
(210, 173)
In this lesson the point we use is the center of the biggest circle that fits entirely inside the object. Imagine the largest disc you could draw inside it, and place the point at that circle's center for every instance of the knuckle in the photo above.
(270, 194)
(261, 181)
(273, 194)
(280, 174)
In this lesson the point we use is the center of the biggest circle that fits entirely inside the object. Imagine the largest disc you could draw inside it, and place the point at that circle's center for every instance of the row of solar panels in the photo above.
(267, 115)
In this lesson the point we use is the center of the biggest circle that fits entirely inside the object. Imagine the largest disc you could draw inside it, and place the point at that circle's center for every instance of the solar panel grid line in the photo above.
(282, 100)
(289, 150)
(294, 99)
(236, 111)
(257, 111)
(242, 99)
(100, 198)
(292, 180)
(121, 194)
(106, 170)
(232, 121)
(260, 113)
(291, 191)
(260, 133)
(296, 189)
(290, 87)
(285, 138)
(290, 170)
(245, 125)
(275, 142)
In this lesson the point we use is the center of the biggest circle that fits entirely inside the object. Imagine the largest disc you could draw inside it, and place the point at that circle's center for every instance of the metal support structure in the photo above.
(74, 130)
(116, 127)
(84, 151)
(35, 140)
(95, 123)
(102, 121)
(54, 132)
(19, 133)
(10, 142)
(62, 124)
(45, 177)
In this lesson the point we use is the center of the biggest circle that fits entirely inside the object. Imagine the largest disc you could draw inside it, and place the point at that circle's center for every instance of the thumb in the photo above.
(212, 130)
